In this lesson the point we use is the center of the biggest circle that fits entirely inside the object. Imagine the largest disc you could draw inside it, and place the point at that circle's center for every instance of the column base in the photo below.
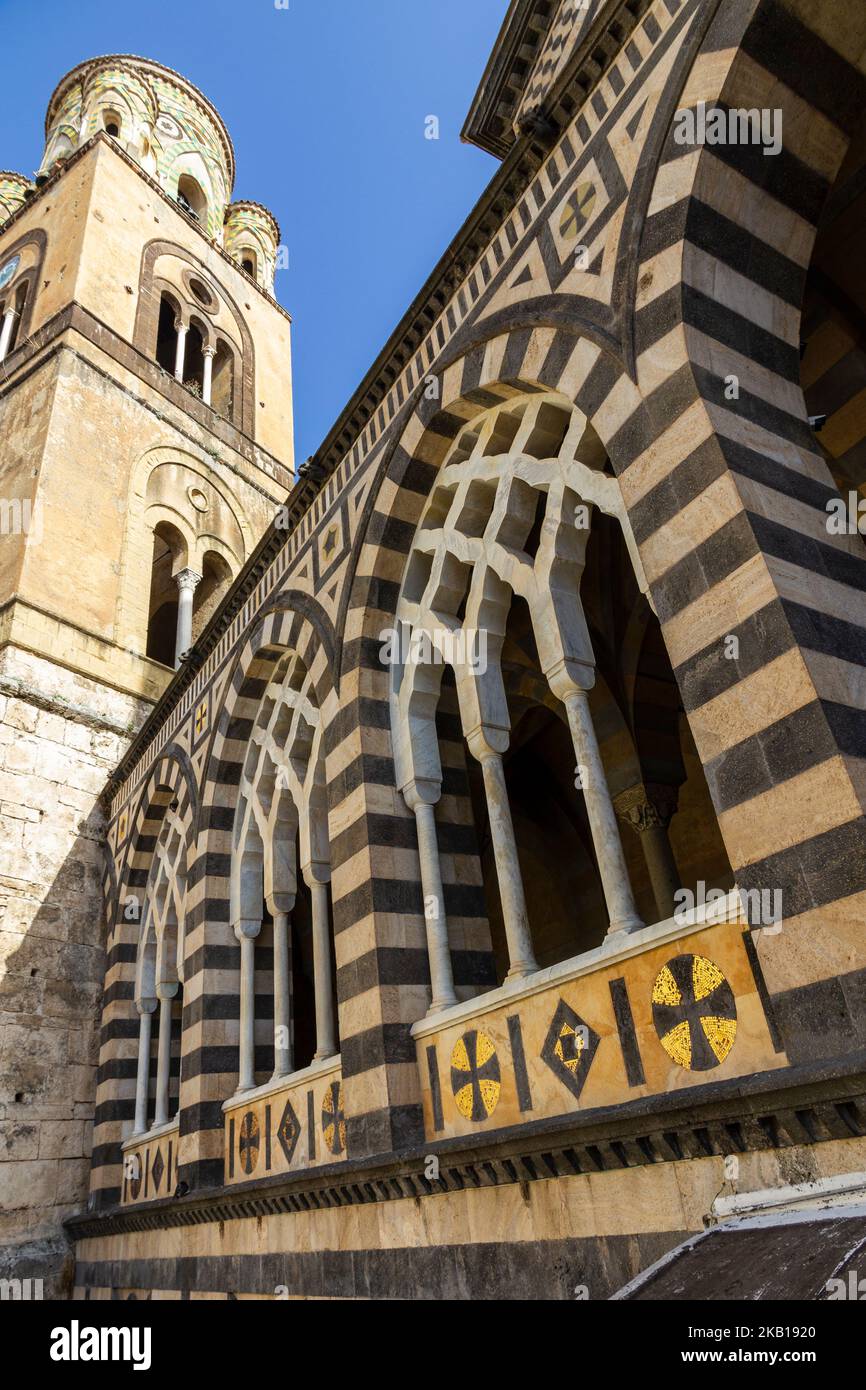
(626, 924)
(438, 1006)
(520, 971)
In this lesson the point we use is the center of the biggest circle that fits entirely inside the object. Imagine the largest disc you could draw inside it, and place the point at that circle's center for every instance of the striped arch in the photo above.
(383, 972)
(211, 988)
(728, 495)
(170, 782)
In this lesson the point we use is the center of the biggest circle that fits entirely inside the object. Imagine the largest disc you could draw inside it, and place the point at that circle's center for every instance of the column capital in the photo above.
(279, 903)
(187, 579)
(422, 791)
(166, 990)
(209, 351)
(247, 928)
(315, 871)
(646, 805)
(488, 741)
(145, 1006)
(180, 326)
(569, 677)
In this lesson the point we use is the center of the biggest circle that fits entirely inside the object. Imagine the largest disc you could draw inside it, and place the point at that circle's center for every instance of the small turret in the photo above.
(15, 189)
(252, 238)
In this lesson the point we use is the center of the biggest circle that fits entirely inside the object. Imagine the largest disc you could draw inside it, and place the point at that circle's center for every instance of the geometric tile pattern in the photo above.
(569, 1048)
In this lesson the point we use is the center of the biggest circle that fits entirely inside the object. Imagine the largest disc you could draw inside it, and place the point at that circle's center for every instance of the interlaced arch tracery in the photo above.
(160, 962)
(280, 823)
(508, 520)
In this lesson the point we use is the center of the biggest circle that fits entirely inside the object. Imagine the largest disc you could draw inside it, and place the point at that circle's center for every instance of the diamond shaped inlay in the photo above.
(157, 1170)
(289, 1131)
(569, 1048)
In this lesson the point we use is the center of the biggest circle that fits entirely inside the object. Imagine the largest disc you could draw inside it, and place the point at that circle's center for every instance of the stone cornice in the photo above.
(517, 44)
(510, 46)
(777, 1109)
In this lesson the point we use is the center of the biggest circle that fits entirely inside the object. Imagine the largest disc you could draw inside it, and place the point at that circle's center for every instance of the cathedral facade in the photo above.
(440, 871)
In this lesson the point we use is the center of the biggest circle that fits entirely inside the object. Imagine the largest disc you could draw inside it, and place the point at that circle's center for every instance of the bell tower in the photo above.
(145, 445)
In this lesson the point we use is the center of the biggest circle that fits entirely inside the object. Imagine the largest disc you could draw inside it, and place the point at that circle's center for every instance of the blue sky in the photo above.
(326, 104)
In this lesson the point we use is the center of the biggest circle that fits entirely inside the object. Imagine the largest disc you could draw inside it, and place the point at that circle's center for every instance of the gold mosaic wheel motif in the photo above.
(694, 1012)
(475, 1076)
(333, 1119)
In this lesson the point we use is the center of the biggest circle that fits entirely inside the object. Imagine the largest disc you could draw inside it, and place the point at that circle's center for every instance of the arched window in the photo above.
(215, 581)
(279, 884)
(11, 313)
(191, 198)
(169, 553)
(193, 362)
(166, 333)
(159, 977)
(112, 124)
(223, 384)
(249, 261)
(527, 634)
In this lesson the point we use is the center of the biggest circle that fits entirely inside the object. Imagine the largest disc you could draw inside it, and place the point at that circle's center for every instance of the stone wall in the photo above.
(60, 736)
(576, 1237)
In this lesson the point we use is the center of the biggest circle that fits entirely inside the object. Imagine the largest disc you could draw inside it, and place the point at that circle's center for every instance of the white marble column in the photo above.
(316, 877)
(165, 994)
(246, 932)
(207, 381)
(180, 329)
(280, 909)
(515, 915)
(187, 582)
(145, 1009)
(618, 895)
(421, 797)
(6, 330)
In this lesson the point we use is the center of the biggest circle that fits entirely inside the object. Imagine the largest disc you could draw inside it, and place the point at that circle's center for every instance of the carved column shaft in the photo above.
(618, 895)
(187, 582)
(142, 1078)
(649, 810)
(6, 331)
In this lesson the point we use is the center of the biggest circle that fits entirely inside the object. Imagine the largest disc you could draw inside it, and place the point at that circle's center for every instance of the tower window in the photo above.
(193, 370)
(191, 198)
(247, 260)
(222, 395)
(168, 557)
(111, 122)
(166, 335)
